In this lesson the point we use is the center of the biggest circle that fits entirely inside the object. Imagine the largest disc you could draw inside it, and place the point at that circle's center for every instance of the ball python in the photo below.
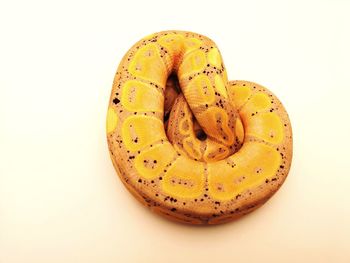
(186, 142)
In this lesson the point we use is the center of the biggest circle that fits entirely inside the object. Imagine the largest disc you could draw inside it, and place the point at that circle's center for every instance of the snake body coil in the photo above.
(187, 142)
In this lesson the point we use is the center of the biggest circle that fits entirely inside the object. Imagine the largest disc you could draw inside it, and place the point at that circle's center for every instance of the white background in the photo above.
(60, 198)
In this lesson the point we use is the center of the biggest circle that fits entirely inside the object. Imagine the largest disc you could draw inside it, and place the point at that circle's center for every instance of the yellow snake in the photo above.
(187, 142)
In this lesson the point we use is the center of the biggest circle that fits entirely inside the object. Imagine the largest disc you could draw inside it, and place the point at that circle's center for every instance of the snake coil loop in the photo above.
(187, 142)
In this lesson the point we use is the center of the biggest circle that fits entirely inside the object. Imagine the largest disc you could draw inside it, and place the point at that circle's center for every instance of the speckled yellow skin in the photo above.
(154, 122)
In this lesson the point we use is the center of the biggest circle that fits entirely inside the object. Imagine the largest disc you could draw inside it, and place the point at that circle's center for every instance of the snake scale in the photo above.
(188, 143)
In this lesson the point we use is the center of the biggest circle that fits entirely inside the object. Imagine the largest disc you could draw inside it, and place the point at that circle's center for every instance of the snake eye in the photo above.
(201, 135)
(166, 116)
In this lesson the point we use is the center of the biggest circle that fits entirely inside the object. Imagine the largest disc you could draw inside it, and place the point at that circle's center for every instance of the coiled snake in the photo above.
(187, 142)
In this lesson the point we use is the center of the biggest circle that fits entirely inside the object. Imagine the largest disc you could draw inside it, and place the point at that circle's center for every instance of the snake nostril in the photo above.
(201, 135)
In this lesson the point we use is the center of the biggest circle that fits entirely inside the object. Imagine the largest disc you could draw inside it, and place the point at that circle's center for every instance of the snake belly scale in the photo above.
(188, 143)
